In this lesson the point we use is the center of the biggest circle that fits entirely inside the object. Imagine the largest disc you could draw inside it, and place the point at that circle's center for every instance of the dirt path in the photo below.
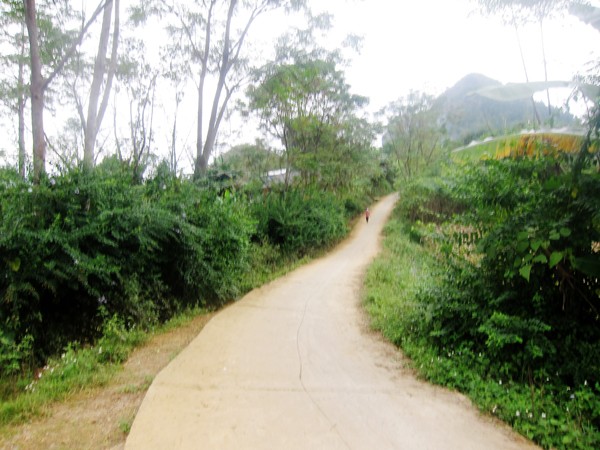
(293, 365)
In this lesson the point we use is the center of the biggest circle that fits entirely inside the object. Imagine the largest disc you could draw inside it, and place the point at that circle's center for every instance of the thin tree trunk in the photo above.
(545, 67)
(21, 99)
(95, 113)
(200, 165)
(535, 112)
(174, 137)
(37, 92)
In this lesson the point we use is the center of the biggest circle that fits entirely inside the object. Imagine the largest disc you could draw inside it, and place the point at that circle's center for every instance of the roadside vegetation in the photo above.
(489, 282)
(92, 261)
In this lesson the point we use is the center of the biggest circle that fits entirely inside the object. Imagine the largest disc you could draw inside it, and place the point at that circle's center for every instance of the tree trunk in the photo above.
(21, 99)
(535, 112)
(37, 92)
(95, 113)
(545, 68)
(200, 164)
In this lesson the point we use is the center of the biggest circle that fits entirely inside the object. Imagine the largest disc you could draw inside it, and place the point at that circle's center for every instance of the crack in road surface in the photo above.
(293, 365)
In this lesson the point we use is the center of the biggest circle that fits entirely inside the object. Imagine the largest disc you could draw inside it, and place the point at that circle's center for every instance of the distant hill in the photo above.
(467, 116)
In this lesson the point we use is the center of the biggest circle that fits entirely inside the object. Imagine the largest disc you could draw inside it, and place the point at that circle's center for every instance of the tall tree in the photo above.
(103, 76)
(40, 83)
(13, 86)
(308, 107)
(138, 79)
(213, 35)
(413, 138)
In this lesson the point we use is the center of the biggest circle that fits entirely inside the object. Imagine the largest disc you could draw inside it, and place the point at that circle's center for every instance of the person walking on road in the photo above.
(367, 214)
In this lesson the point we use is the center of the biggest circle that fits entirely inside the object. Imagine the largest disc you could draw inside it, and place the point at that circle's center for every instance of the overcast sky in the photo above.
(428, 45)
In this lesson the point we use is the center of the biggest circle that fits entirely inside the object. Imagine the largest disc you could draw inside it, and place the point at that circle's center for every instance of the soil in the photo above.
(100, 418)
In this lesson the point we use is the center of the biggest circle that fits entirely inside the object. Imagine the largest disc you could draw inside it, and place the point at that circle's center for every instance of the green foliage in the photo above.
(297, 222)
(413, 138)
(81, 241)
(75, 369)
(509, 311)
(308, 107)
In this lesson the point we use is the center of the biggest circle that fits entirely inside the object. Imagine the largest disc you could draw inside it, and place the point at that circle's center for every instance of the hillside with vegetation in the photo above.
(468, 116)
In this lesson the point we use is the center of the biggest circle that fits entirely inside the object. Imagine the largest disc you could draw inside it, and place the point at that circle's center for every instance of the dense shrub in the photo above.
(427, 200)
(81, 241)
(298, 221)
(511, 315)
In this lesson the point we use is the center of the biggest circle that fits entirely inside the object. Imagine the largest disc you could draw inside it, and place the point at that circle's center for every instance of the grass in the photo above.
(77, 369)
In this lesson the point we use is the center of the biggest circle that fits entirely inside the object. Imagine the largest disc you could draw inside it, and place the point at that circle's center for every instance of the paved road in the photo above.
(293, 366)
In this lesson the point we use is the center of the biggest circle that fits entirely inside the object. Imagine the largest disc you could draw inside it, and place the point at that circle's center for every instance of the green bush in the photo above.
(298, 222)
(510, 311)
(80, 241)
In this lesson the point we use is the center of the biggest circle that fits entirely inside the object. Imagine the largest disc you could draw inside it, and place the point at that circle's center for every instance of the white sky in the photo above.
(429, 45)
(425, 45)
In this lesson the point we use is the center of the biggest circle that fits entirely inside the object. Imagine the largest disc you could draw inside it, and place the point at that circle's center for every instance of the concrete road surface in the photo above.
(293, 365)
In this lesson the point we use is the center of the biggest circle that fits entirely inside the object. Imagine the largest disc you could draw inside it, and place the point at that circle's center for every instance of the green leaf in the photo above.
(554, 235)
(541, 258)
(536, 244)
(555, 258)
(523, 236)
(525, 271)
(522, 246)
(565, 232)
(15, 264)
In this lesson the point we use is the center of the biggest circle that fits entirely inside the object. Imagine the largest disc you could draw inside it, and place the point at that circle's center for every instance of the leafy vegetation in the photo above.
(90, 259)
(498, 294)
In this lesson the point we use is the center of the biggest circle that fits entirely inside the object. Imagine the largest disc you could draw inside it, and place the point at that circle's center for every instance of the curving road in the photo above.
(293, 366)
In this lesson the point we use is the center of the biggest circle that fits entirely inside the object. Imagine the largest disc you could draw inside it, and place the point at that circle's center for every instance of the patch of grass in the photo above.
(125, 425)
(140, 387)
(79, 368)
(390, 280)
(75, 370)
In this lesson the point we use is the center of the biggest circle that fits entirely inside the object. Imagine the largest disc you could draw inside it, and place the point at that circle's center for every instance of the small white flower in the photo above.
(585, 383)
(494, 409)
(518, 413)
(543, 415)
(500, 382)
